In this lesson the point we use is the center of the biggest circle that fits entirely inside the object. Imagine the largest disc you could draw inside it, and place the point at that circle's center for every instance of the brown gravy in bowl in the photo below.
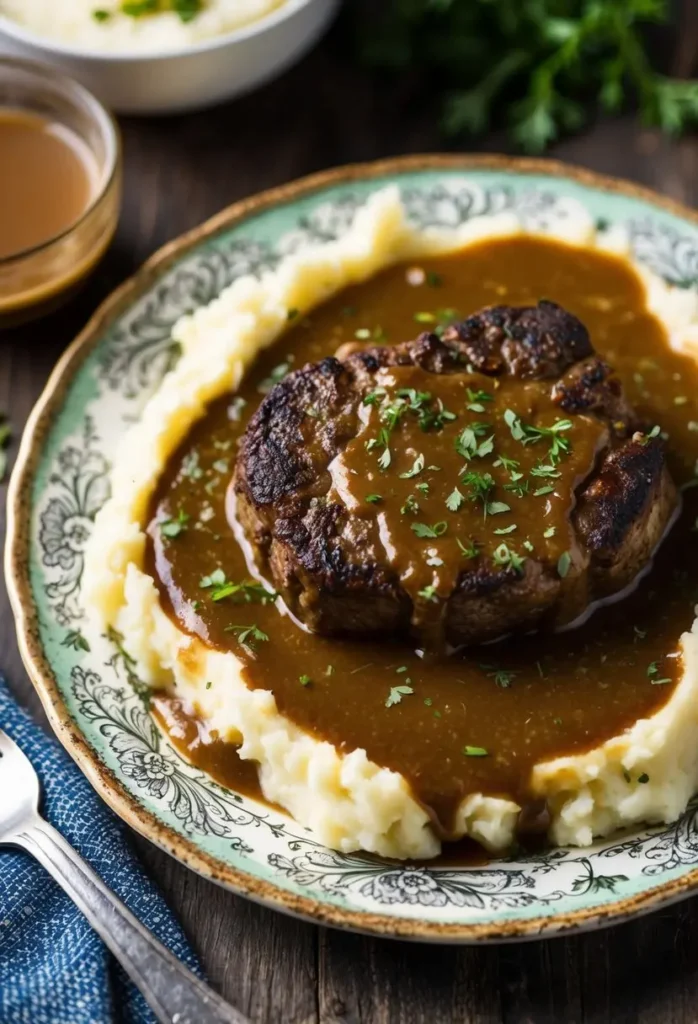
(47, 180)
(480, 720)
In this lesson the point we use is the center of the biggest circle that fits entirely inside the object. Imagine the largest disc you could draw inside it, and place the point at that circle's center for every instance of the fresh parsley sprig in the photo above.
(538, 68)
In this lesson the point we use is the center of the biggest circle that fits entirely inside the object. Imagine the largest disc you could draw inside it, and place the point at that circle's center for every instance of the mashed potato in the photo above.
(74, 21)
(349, 802)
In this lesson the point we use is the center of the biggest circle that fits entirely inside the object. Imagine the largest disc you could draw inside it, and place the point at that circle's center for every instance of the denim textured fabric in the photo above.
(54, 969)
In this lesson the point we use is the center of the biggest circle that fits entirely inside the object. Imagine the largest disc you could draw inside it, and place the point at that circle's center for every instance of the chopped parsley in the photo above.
(215, 579)
(430, 414)
(467, 444)
(434, 419)
(247, 591)
(138, 8)
(235, 408)
(544, 470)
(550, 532)
(411, 506)
(518, 486)
(172, 528)
(528, 434)
(563, 564)
(382, 441)
(304, 680)
(432, 532)
(397, 693)
(417, 468)
(653, 675)
(190, 466)
(481, 485)
(471, 551)
(187, 10)
(510, 465)
(506, 558)
(374, 499)
(248, 636)
(495, 508)
(476, 400)
(501, 677)
(654, 432)
(429, 593)
(454, 500)
(276, 375)
(374, 396)
(506, 529)
(475, 751)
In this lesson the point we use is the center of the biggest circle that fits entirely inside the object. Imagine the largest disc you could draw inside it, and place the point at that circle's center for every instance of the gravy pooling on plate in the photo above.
(478, 721)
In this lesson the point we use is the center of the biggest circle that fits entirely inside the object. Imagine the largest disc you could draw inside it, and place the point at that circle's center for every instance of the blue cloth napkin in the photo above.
(53, 968)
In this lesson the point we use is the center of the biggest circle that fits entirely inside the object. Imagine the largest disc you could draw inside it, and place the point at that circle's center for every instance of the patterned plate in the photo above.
(96, 708)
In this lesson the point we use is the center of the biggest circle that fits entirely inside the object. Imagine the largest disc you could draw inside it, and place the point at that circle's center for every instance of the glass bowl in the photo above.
(35, 281)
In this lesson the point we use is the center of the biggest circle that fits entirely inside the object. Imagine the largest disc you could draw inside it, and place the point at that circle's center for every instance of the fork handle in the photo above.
(174, 993)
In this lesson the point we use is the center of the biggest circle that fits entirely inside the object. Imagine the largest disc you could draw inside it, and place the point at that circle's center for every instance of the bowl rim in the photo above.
(108, 129)
(16, 564)
(47, 45)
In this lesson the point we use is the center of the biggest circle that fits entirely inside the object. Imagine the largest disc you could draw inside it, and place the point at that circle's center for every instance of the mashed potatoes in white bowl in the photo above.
(164, 62)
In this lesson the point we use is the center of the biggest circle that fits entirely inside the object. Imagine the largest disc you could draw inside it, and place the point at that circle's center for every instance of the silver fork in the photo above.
(175, 995)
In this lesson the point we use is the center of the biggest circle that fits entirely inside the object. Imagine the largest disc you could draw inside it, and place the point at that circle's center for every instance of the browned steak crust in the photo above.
(529, 342)
(308, 545)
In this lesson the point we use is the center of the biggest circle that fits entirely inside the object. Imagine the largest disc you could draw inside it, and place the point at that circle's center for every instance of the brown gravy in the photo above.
(425, 517)
(478, 721)
(47, 179)
(201, 745)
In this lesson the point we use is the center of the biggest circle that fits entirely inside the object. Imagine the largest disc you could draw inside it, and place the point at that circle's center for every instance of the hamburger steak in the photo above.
(482, 479)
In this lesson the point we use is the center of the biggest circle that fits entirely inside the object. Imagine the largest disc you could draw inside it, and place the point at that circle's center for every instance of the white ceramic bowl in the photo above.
(193, 77)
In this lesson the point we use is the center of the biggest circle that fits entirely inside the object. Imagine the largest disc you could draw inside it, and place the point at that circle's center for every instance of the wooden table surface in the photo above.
(178, 172)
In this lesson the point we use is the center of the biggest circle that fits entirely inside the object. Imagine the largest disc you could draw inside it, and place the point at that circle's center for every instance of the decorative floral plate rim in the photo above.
(411, 887)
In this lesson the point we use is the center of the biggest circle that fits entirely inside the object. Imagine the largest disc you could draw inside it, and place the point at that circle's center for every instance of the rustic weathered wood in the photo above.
(280, 971)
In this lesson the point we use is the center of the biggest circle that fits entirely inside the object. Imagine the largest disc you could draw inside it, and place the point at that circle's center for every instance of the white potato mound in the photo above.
(647, 774)
(74, 21)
